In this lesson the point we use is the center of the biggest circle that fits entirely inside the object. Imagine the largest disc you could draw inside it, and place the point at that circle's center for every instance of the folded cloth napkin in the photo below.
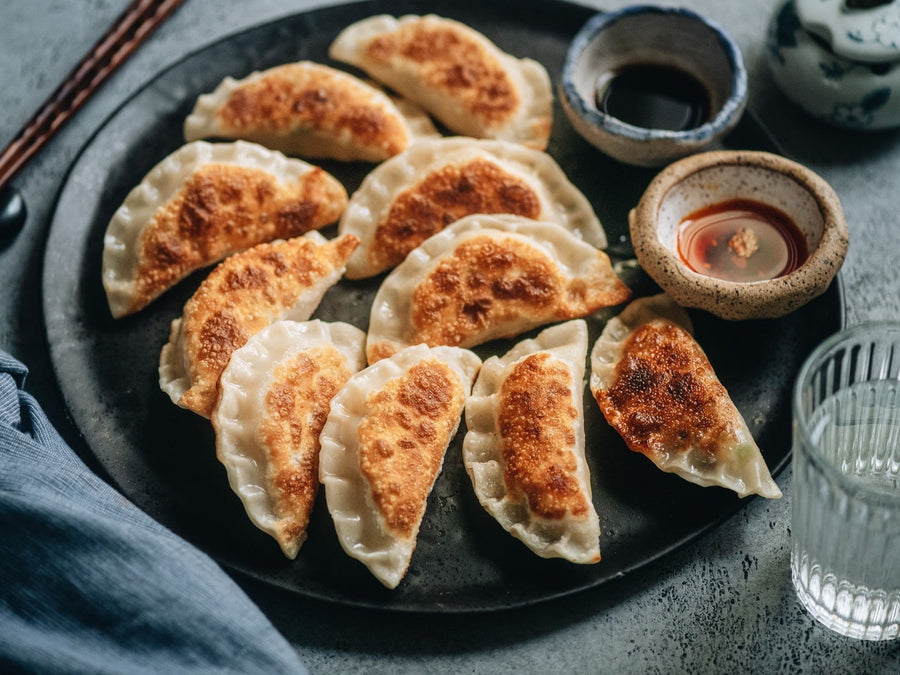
(89, 583)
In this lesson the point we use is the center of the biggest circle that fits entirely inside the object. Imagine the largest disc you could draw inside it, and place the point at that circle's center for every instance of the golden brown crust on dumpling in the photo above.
(536, 418)
(450, 60)
(296, 407)
(225, 208)
(241, 296)
(305, 95)
(403, 439)
(444, 196)
(491, 280)
(665, 397)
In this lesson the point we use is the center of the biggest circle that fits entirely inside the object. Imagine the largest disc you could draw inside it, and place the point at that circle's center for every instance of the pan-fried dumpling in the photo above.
(383, 447)
(241, 296)
(657, 388)
(311, 110)
(274, 398)
(414, 195)
(202, 203)
(487, 277)
(524, 449)
(455, 73)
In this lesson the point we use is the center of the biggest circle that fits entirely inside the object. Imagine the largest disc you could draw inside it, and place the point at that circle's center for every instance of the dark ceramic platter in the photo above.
(163, 459)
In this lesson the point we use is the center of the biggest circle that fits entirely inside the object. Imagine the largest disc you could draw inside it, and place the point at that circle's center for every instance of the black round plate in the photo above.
(163, 458)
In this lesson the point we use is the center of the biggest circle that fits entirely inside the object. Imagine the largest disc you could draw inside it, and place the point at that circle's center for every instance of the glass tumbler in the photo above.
(845, 530)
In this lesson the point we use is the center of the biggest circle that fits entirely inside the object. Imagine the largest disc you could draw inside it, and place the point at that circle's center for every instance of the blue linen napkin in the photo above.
(89, 583)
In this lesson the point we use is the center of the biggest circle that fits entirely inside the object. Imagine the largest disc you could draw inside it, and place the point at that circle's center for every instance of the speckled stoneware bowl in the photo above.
(667, 36)
(711, 178)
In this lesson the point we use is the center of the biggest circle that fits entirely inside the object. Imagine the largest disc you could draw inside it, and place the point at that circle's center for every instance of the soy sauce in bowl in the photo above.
(648, 85)
(654, 96)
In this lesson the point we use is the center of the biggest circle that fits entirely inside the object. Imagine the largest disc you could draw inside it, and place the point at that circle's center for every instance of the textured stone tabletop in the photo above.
(723, 603)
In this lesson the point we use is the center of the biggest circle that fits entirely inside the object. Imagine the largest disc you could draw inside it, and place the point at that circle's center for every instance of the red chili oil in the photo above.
(741, 240)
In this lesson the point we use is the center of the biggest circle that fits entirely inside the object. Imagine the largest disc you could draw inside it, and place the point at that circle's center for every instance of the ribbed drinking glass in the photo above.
(845, 553)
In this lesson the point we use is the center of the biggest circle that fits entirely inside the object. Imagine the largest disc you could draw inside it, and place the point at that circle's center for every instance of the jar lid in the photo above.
(859, 30)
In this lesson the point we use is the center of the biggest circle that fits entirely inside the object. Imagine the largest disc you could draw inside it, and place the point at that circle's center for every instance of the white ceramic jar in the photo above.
(839, 63)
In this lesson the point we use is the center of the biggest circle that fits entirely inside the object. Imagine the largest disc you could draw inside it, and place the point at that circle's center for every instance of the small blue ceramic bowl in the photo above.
(667, 37)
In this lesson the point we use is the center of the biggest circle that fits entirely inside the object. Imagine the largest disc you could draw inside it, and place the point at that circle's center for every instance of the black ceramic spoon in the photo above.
(12, 213)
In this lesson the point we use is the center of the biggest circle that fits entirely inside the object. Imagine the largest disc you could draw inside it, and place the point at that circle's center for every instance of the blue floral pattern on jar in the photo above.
(841, 92)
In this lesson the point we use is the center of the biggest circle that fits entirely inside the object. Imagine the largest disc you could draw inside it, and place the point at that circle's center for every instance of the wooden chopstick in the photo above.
(128, 32)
